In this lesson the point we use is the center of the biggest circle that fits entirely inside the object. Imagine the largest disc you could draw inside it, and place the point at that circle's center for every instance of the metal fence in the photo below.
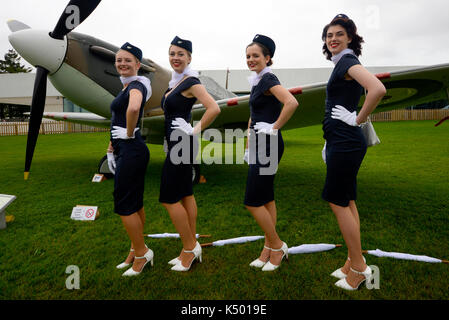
(47, 127)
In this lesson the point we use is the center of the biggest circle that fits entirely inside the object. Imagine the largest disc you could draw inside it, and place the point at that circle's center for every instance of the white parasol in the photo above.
(173, 235)
(404, 256)
(310, 248)
(220, 243)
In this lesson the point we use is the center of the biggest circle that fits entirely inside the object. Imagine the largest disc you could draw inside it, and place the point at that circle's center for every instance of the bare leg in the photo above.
(271, 208)
(131, 255)
(265, 221)
(134, 228)
(180, 219)
(351, 233)
(189, 205)
(355, 214)
(141, 214)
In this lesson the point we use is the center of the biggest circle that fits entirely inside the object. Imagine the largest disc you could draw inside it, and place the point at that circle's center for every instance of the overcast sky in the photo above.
(396, 32)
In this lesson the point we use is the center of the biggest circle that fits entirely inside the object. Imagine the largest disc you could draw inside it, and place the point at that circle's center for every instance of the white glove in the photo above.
(121, 133)
(264, 127)
(341, 113)
(246, 156)
(111, 162)
(323, 152)
(181, 124)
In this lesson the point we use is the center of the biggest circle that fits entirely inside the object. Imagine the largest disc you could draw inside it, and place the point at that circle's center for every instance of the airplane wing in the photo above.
(404, 88)
(90, 119)
(415, 86)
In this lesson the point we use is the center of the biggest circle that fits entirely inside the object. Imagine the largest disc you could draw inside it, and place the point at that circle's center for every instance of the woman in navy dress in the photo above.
(345, 144)
(128, 155)
(176, 188)
(267, 117)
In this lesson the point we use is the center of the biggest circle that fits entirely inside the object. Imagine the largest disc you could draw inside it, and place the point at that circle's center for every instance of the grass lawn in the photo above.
(403, 202)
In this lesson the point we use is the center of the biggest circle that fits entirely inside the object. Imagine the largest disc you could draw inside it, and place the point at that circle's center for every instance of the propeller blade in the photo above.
(74, 14)
(37, 110)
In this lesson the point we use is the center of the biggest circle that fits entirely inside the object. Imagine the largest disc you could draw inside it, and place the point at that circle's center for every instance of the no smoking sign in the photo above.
(90, 213)
(86, 213)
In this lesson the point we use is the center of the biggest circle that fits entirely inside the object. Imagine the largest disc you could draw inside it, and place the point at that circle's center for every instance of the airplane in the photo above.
(81, 68)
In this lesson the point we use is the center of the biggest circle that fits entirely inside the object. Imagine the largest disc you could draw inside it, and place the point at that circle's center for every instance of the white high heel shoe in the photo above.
(124, 264)
(259, 263)
(340, 274)
(197, 253)
(271, 267)
(149, 255)
(342, 283)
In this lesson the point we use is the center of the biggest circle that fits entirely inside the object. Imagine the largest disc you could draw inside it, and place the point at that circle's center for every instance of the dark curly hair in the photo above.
(351, 30)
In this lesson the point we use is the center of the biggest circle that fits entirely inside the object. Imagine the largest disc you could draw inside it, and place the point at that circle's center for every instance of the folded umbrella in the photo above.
(219, 243)
(310, 248)
(404, 256)
(173, 235)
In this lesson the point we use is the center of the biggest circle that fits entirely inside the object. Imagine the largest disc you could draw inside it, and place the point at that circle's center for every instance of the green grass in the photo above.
(403, 203)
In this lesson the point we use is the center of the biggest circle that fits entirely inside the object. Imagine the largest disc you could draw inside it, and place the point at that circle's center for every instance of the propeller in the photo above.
(73, 15)
(79, 10)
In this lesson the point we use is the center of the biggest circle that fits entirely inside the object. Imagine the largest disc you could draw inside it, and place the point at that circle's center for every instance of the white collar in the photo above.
(177, 77)
(144, 80)
(254, 78)
(337, 57)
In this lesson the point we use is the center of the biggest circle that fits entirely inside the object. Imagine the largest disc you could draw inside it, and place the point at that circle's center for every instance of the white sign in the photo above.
(97, 177)
(5, 200)
(85, 213)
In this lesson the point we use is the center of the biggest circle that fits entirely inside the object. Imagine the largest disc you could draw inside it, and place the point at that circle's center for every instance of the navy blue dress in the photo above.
(132, 156)
(263, 108)
(176, 177)
(346, 145)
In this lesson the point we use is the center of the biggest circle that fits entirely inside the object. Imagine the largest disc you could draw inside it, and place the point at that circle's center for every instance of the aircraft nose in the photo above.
(39, 49)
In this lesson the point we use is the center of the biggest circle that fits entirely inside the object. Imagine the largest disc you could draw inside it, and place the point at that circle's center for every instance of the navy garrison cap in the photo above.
(267, 42)
(132, 49)
(185, 44)
(341, 16)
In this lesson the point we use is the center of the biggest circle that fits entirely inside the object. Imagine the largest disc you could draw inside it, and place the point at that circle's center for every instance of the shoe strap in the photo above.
(267, 248)
(190, 251)
(143, 255)
(358, 272)
(132, 249)
(280, 249)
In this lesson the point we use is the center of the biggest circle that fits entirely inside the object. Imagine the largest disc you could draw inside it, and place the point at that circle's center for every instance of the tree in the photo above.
(11, 64)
